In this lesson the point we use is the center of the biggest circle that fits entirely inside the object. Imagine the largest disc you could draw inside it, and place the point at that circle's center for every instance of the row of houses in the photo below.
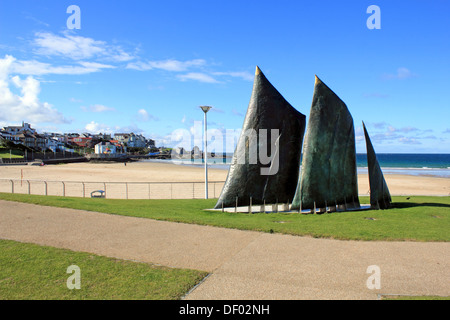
(30, 138)
(24, 135)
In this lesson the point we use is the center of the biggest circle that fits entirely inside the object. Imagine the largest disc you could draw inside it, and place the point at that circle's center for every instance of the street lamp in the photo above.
(205, 110)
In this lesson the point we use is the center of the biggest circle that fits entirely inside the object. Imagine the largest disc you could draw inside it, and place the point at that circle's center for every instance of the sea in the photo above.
(409, 163)
(418, 164)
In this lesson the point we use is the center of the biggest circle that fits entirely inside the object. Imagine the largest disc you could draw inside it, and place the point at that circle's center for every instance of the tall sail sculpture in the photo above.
(328, 172)
(380, 197)
(272, 128)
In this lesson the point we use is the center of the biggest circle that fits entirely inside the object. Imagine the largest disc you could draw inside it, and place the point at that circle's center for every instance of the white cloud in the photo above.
(401, 74)
(94, 127)
(80, 49)
(359, 134)
(404, 129)
(388, 134)
(77, 47)
(237, 113)
(143, 115)
(379, 125)
(23, 106)
(173, 65)
(197, 76)
(120, 55)
(140, 66)
(100, 108)
(36, 68)
(73, 47)
(37, 21)
(217, 110)
(407, 140)
(167, 65)
(96, 65)
(161, 140)
(247, 76)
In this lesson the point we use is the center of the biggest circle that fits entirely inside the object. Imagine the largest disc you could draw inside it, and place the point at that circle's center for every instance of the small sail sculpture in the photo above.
(380, 198)
(328, 172)
(265, 164)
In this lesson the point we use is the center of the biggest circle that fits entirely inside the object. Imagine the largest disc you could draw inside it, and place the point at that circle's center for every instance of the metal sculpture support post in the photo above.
(205, 157)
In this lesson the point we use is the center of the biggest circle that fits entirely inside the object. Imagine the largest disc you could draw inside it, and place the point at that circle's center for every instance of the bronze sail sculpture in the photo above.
(272, 127)
(328, 173)
(380, 197)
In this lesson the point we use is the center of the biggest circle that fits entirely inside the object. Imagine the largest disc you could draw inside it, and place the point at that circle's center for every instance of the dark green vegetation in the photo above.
(410, 218)
(30, 272)
(6, 153)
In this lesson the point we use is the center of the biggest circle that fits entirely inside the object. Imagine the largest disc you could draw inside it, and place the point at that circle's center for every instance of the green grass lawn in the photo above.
(413, 218)
(32, 272)
(399, 297)
(15, 154)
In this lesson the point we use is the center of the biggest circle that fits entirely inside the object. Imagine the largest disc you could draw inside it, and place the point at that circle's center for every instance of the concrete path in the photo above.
(243, 264)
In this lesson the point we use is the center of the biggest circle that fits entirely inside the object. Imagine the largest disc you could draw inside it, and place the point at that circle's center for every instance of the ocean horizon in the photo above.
(424, 164)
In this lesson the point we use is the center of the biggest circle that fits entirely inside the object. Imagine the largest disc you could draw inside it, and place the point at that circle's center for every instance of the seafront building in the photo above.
(105, 148)
(14, 130)
(27, 136)
(132, 140)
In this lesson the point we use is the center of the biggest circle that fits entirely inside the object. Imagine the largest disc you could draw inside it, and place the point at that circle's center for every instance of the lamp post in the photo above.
(205, 157)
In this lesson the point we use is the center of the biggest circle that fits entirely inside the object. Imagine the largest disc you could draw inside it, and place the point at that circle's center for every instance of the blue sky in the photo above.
(146, 66)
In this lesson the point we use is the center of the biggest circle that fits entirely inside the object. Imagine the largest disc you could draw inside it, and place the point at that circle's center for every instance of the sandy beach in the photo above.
(157, 172)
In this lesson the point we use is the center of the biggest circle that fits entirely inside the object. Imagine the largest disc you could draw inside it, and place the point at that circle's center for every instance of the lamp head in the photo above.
(205, 108)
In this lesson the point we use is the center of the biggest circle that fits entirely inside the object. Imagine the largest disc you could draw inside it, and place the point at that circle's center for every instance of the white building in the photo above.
(14, 130)
(131, 140)
(137, 141)
(54, 144)
(105, 148)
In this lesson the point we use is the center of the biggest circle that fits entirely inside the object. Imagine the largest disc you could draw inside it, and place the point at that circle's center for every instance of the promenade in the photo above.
(242, 264)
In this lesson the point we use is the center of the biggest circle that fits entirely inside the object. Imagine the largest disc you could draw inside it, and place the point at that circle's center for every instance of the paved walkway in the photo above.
(243, 264)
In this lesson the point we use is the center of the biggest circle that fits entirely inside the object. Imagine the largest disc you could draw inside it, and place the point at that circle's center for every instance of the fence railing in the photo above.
(114, 190)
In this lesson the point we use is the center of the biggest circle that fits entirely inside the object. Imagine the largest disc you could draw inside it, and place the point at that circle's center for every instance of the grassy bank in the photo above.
(14, 154)
(32, 272)
(410, 218)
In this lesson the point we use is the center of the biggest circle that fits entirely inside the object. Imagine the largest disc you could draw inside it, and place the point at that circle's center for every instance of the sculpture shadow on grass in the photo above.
(405, 205)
